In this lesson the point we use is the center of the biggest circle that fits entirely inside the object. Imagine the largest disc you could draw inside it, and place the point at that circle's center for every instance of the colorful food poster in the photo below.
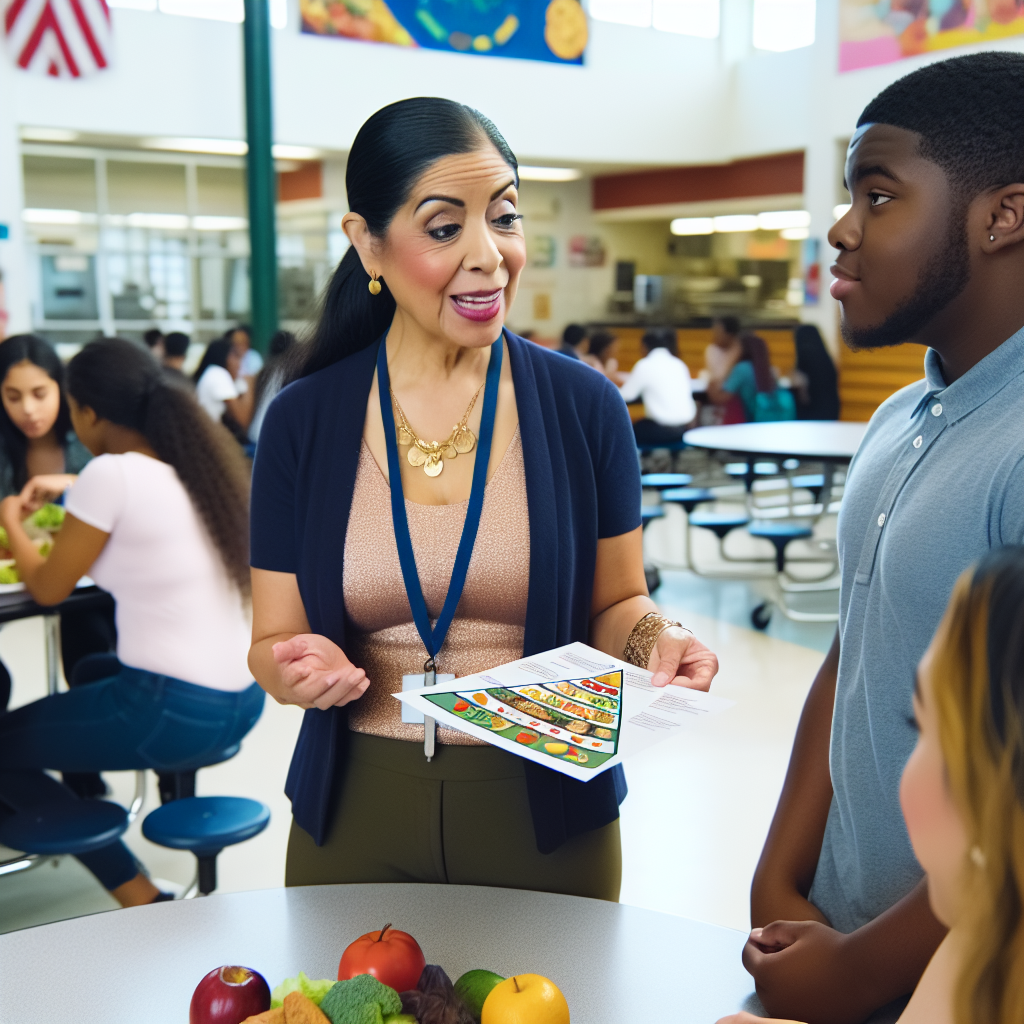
(875, 32)
(573, 709)
(549, 30)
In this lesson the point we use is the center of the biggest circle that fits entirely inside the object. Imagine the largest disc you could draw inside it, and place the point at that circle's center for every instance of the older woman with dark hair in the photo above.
(381, 557)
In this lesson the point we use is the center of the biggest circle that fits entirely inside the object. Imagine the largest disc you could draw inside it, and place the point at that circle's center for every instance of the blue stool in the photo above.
(813, 482)
(78, 826)
(719, 523)
(663, 480)
(749, 471)
(205, 825)
(649, 513)
(688, 497)
(780, 534)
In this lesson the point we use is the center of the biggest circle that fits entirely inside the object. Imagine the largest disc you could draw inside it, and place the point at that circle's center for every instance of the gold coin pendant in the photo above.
(416, 457)
(404, 436)
(465, 441)
(434, 465)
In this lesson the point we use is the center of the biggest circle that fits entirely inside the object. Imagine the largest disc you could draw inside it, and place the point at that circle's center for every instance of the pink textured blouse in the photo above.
(488, 626)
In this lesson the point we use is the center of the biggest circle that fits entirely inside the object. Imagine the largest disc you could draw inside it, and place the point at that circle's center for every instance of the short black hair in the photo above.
(969, 112)
(660, 337)
(153, 337)
(730, 324)
(176, 344)
(574, 334)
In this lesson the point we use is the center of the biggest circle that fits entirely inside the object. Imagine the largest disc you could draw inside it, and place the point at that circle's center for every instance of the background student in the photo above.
(167, 490)
(931, 252)
(816, 383)
(661, 380)
(751, 392)
(175, 350)
(222, 392)
(962, 795)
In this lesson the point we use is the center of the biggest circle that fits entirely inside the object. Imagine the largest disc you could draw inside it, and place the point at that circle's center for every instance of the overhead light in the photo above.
(841, 210)
(282, 151)
(220, 223)
(795, 234)
(528, 172)
(160, 221)
(48, 135)
(779, 220)
(692, 226)
(218, 147)
(38, 216)
(736, 222)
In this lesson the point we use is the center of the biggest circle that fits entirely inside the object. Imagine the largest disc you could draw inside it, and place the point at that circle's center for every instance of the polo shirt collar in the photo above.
(978, 384)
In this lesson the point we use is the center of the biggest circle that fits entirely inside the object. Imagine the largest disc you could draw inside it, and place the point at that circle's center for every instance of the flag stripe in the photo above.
(90, 39)
(48, 23)
(12, 14)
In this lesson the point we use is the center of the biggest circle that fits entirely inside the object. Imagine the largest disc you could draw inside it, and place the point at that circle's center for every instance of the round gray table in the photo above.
(828, 441)
(615, 964)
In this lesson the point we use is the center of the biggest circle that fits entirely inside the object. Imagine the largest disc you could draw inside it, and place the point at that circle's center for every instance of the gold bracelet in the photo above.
(644, 636)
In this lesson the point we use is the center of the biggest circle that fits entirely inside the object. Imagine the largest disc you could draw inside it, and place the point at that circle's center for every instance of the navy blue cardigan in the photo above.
(582, 483)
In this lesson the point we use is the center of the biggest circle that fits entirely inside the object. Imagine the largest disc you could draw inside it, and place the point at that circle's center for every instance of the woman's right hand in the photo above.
(316, 673)
(41, 489)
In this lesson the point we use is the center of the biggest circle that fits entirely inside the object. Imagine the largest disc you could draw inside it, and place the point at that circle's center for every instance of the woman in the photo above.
(750, 392)
(815, 376)
(603, 355)
(225, 396)
(36, 440)
(410, 335)
(270, 379)
(662, 380)
(963, 801)
(158, 518)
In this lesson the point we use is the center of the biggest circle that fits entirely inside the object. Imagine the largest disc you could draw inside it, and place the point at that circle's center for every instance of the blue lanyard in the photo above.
(434, 639)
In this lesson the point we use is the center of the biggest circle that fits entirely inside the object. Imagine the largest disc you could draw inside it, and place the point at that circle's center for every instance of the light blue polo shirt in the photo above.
(936, 482)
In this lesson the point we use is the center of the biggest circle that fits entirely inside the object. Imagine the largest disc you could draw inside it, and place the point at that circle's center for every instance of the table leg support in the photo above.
(51, 630)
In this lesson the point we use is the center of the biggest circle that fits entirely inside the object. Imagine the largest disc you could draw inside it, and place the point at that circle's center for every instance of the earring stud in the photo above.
(991, 238)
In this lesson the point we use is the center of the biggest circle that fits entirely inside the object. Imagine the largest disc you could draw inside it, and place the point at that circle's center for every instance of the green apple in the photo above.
(474, 987)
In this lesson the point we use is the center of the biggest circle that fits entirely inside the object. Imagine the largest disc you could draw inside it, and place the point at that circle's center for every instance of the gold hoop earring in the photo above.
(374, 284)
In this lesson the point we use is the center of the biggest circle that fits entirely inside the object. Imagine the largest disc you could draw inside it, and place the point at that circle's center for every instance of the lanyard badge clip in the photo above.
(429, 728)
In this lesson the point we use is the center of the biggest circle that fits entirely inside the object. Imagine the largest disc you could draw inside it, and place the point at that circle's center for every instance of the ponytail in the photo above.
(389, 154)
(123, 384)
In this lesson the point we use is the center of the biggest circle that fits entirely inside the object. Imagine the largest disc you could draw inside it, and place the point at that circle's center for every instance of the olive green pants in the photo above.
(462, 818)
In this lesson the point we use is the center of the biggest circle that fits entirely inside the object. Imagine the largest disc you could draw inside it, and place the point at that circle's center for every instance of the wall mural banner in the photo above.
(553, 31)
(875, 32)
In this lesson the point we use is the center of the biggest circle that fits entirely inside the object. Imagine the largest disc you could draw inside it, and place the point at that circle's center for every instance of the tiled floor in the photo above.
(699, 805)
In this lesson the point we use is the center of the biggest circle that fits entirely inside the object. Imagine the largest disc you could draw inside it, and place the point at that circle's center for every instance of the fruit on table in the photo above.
(525, 999)
(392, 957)
(361, 1000)
(474, 987)
(315, 990)
(229, 995)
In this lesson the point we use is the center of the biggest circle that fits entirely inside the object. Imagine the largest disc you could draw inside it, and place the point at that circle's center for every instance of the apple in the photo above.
(525, 999)
(229, 995)
(394, 958)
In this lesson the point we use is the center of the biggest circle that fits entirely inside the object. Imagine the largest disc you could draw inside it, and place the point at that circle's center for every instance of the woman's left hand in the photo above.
(680, 658)
(11, 512)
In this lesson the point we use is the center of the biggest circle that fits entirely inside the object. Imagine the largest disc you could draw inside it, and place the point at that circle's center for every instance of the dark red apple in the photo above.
(229, 995)
(394, 958)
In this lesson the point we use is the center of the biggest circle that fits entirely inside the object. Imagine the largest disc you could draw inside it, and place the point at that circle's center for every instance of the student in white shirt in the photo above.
(159, 519)
(220, 390)
(662, 381)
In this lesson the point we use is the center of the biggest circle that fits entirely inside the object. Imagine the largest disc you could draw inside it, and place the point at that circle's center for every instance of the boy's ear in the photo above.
(1005, 218)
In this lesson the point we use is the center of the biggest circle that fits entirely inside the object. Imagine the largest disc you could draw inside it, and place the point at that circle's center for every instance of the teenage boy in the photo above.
(932, 253)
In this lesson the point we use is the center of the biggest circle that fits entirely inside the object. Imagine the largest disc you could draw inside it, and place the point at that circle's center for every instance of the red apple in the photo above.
(394, 958)
(229, 995)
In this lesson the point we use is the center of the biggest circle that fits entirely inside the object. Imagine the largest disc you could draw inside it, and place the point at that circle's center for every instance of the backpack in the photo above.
(772, 406)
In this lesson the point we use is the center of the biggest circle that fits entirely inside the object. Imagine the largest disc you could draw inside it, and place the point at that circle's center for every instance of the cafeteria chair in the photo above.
(648, 513)
(780, 534)
(663, 481)
(205, 825)
(42, 818)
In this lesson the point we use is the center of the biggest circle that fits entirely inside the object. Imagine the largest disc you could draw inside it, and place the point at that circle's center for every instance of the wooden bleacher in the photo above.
(866, 379)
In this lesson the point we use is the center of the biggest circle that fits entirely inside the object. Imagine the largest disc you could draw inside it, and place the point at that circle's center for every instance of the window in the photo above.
(783, 24)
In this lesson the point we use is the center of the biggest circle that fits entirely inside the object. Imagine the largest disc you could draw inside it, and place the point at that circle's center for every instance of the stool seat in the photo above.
(688, 497)
(809, 481)
(71, 826)
(739, 469)
(649, 512)
(663, 480)
(779, 533)
(205, 824)
(719, 523)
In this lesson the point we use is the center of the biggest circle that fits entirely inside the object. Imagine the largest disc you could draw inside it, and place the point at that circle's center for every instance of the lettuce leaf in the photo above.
(315, 990)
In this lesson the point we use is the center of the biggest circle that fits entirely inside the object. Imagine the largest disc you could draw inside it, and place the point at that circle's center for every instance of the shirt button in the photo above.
(881, 519)
(937, 409)
(918, 441)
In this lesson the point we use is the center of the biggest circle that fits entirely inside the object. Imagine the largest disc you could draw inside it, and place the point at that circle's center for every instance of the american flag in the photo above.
(62, 38)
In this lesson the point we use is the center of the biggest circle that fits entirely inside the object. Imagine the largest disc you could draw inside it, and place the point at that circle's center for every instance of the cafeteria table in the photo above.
(615, 964)
(827, 441)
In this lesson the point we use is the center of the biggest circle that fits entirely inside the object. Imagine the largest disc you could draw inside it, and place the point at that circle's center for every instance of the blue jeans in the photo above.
(132, 720)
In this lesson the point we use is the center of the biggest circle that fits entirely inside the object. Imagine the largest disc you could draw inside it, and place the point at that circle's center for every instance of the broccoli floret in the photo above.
(360, 1000)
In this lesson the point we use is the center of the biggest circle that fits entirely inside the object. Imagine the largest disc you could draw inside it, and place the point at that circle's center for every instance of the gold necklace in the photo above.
(431, 454)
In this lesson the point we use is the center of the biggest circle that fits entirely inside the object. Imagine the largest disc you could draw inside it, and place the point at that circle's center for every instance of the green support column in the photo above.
(262, 180)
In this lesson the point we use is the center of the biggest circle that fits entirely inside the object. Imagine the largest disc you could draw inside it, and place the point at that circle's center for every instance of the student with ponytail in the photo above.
(158, 518)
